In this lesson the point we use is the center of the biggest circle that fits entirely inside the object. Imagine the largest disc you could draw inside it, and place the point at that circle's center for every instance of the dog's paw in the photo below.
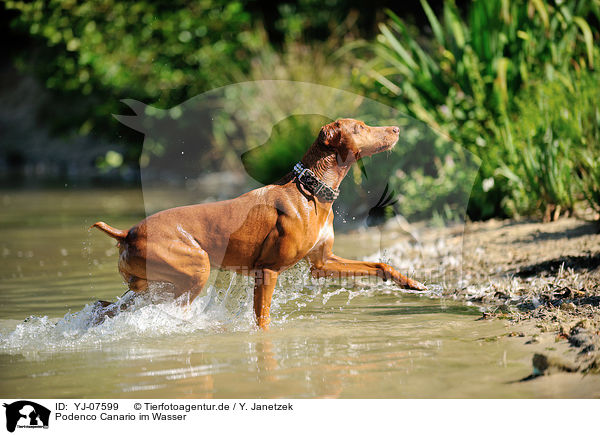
(410, 284)
(416, 285)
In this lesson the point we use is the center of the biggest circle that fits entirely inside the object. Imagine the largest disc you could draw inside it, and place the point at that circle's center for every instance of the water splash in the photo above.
(226, 305)
(146, 317)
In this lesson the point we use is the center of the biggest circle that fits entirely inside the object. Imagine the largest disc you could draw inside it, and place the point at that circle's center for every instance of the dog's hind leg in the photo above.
(189, 276)
(137, 285)
(104, 309)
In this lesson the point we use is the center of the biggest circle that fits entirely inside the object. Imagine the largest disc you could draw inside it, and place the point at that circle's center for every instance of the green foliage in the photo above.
(590, 177)
(510, 80)
(466, 82)
(290, 138)
(159, 52)
(286, 146)
(553, 136)
(587, 131)
(94, 53)
(434, 175)
(144, 47)
(315, 19)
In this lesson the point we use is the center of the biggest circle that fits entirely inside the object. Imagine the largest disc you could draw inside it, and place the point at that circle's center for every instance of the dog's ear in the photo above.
(330, 135)
(348, 154)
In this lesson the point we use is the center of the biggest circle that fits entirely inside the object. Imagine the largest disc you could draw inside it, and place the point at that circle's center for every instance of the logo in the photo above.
(26, 414)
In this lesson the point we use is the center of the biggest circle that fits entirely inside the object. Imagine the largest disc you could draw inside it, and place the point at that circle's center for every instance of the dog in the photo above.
(260, 233)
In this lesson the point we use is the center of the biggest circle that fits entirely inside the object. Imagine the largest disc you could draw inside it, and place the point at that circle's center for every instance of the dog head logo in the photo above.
(26, 414)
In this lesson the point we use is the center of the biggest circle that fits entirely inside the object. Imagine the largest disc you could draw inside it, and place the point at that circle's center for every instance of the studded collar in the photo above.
(313, 184)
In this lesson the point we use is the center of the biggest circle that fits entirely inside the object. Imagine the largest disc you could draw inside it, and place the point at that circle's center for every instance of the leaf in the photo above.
(397, 46)
(385, 82)
(587, 37)
(455, 24)
(426, 62)
(502, 68)
(433, 21)
(542, 11)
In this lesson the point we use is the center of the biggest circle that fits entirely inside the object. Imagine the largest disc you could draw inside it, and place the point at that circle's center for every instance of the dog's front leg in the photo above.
(334, 266)
(264, 283)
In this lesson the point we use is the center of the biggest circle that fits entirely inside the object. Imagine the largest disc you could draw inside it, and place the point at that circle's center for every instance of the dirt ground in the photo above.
(544, 278)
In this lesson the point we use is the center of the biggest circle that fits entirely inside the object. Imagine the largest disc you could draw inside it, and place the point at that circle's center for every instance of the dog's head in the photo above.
(352, 139)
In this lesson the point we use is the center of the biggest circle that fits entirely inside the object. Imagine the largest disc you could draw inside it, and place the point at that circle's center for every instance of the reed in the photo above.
(480, 80)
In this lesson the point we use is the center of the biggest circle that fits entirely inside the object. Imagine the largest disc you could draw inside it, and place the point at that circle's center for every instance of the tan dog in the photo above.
(262, 232)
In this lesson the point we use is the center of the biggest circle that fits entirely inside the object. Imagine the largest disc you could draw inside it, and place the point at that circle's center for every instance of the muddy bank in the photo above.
(543, 278)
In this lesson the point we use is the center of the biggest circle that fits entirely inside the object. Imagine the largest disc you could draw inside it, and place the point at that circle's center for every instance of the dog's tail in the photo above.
(113, 232)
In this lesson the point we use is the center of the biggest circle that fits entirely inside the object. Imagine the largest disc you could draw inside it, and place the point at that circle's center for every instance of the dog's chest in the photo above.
(325, 232)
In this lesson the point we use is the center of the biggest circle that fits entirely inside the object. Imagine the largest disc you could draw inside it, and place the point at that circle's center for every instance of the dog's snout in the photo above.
(395, 129)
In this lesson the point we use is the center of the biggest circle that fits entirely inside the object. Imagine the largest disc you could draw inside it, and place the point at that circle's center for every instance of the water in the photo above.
(326, 340)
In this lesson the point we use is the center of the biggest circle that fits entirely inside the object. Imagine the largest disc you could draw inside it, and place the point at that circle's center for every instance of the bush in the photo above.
(466, 82)
(552, 142)
(98, 52)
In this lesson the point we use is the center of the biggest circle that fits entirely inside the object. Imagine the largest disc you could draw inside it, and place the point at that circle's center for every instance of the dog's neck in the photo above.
(324, 165)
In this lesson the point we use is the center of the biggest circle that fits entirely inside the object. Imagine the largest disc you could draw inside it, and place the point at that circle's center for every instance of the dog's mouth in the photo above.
(385, 140)
(379, 149)
(391, 140)
(386, 147)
